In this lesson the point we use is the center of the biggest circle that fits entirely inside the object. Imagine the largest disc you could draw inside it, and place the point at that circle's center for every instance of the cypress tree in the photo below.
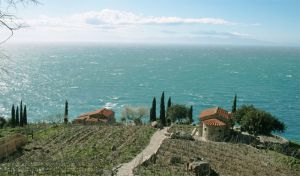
(17, 114)
(190, 114)
(17, 119)
(153, 110)
(13, 117)
(234, 104)
(162, 109)
(25, 115)
(21, 114)
(66, 112)
(169, 103)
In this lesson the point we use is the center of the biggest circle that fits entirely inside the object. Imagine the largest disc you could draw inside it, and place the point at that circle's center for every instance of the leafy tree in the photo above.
(162, 110)
(135, 114)
(177, 113)
(13, 117)
(256, 121)
(25, 115)
(153, 110)
(66, 112)
(241, 112)
(2, 122)
(234, 104)
(190, 114)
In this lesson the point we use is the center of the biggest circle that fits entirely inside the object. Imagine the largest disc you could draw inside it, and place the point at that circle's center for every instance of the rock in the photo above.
(182, 135)
(200, 168)
(154, 124)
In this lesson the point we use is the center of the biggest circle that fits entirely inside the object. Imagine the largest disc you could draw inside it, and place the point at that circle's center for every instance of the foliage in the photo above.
(2, 122)
(256, 121)
(153, 110)
(241, 112)
(162, 115)
(234, 104)
(13, 117)
(177, 113)
(66, 112)
(135, 114)
(190, 114)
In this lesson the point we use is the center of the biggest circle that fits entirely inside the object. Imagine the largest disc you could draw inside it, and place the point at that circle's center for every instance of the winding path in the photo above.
(156, 140)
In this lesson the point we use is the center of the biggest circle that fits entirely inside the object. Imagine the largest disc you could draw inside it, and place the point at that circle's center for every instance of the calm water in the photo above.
(94, 76)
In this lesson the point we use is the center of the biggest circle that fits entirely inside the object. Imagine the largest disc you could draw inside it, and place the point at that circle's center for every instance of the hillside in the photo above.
(225, 159)
(77, 150)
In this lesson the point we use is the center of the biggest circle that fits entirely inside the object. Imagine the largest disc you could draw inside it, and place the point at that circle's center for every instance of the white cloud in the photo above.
(114, 18)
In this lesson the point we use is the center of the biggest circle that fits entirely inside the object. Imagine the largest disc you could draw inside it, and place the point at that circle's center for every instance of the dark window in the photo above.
(204, 129)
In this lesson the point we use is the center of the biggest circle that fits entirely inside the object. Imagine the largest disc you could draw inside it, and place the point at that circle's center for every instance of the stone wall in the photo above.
(214, 133)
(11, 143)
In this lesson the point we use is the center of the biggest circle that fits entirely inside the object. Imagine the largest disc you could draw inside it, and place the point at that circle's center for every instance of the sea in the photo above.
(91, 76)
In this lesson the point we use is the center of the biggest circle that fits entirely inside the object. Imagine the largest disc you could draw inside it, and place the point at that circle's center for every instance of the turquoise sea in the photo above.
(91, 76)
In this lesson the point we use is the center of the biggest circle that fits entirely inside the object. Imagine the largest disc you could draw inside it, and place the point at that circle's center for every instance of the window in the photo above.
(204, 129)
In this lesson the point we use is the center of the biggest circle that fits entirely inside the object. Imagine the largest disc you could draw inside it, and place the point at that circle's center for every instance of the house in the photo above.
(103, 115)
(215, 124)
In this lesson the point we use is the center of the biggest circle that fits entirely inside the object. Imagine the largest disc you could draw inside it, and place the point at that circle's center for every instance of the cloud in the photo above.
(217, 34)
(107, 17)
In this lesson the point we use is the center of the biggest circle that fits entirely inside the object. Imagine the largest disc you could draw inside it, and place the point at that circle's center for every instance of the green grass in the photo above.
(77, 149)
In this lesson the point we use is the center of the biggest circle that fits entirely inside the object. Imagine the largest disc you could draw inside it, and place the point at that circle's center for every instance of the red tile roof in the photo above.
(214, 111)
(214, 122)
(103, 111)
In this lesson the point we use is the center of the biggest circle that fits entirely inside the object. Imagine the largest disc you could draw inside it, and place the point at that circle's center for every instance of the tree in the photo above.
(13, 117)
(237, 116)
(177, 113)
(153, 110)
(169, 104)
(134, 114)
(17, 114)
(21, 114)
(2, 122)
(190, 114)
(9, 21)
(234, 104)
(66, 112)
(25, 116)
(162, 115)
(256, 121)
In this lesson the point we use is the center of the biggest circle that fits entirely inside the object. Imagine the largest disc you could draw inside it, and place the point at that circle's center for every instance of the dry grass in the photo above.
(77, 150)
(225, 159)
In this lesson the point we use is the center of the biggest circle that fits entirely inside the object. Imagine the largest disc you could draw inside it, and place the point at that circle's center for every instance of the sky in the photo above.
(255, 22)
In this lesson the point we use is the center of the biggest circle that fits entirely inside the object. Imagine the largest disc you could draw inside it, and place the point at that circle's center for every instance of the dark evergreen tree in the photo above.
(13, 117)
(169, 102)
(25, 116)
(66, 112)
(162, 110)
(21, 114)
(17, 119)
(17, 114)
(234, 104)
(153, 110)
(190, 114)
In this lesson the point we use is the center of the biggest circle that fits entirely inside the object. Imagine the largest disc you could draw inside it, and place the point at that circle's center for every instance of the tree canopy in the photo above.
(178, 113)
(257, 121)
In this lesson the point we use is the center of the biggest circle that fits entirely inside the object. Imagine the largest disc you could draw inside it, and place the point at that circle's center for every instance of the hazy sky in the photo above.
(161, 21)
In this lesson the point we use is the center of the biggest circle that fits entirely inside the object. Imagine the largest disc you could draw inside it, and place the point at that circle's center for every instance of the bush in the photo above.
(177, 113)
(256, 121)
(2, 122)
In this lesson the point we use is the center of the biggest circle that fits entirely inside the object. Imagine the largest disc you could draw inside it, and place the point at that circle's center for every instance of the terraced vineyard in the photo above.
(225, 159)
(77, 150)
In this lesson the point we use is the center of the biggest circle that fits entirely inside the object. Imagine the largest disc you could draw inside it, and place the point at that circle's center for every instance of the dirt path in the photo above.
(155, 142)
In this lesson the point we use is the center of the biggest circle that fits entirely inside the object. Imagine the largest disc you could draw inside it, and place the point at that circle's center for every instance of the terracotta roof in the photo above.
(213, 111)
(103, 111)
(214, 122)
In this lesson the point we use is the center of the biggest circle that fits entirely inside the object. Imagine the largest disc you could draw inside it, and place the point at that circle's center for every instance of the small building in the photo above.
(103, 115)
(215, 124)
